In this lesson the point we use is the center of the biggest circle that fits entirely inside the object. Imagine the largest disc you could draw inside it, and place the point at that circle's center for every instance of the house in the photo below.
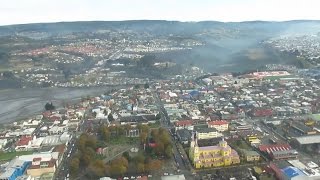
(57, 130)
(184, 135)
(3, 143)
(219, 125)
(23, 143)
(263, 112)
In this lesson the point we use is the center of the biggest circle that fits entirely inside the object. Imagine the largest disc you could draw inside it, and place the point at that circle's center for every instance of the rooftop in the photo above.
(308, 139)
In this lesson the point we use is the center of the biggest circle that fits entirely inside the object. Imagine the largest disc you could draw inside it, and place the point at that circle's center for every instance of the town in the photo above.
(75, 60)
(260, 125)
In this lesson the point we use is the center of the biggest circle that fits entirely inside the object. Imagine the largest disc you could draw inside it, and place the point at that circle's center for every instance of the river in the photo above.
(16, 104)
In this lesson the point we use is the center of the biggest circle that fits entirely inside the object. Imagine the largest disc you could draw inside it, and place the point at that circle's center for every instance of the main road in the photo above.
(182, 162)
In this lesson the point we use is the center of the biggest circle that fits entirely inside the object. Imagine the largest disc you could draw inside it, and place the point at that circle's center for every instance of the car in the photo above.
(149, 176)
(166, 174)
(138, 177)
(132, 177)
(125, 177)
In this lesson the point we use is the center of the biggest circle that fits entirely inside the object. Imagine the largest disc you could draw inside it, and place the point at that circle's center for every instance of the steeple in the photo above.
(196, 140)
(223, 143)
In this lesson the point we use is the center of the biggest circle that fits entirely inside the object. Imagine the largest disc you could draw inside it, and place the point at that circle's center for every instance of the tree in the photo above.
(159, 149)
(158, 116)
(168, 151)
(94, 114)
(105, 133)
(74, 167)
(140, 168)
(98, 168)
(105, 112)
(49, 107)
(153, 165)
(146, 61)
(119, 166)
(139, 158)
(137, 86)
(146, 86)
(143, 137)
(86, 159)
(110, 117)
(126, 155)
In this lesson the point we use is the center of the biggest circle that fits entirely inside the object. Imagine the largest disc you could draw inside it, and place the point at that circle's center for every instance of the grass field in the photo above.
(6, 156)
(316, 116)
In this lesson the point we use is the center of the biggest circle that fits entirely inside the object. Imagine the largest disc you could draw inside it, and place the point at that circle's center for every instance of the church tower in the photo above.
(194, 148)
(223, 143)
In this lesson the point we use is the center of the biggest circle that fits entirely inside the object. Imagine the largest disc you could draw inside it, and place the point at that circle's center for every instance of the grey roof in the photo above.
(291, 151)
(308, 139)
(184, 134)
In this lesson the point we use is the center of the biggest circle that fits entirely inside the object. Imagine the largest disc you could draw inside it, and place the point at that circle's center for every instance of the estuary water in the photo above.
(16, 104)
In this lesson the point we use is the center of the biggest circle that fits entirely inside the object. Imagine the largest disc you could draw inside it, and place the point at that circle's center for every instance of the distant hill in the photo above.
(162, 27)
(229, 46)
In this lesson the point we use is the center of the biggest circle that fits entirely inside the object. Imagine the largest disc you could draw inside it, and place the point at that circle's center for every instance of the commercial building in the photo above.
(41, 166)
(279, 151)
(251, 156)
(203, 132)
(14, 169)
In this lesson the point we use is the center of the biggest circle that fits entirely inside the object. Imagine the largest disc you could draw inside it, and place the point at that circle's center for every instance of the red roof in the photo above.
(46, 114)
(184, 123)
(274, 147)
(23, 141)
(55, 118)
(217, 122)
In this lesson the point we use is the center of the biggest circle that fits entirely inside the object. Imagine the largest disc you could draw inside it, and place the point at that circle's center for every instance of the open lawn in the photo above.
(240, 144)
(6, 156)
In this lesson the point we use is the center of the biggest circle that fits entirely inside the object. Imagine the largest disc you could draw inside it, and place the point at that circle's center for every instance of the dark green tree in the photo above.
(49, 107)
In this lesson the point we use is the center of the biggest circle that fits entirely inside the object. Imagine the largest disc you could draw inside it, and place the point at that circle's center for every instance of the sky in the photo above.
(36, 11)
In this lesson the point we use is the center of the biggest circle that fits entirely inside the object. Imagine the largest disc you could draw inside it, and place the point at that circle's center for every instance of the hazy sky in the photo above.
(32, 11)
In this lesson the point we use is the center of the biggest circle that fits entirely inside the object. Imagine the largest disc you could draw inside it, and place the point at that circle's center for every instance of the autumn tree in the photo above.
(74, 167)
(98, 168)
(143, 137)
(140, 168)
(153, 165)
(163, 142)
(119, 166)
(168, 151)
